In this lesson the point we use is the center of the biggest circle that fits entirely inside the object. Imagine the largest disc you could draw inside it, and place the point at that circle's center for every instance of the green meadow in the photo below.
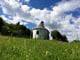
(16, 48)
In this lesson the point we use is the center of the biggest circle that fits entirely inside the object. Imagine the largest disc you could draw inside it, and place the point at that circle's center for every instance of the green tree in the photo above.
(5, 30)
(64, 38)
(1, 23)
(58, 36)
(14, 29)
(25, 31)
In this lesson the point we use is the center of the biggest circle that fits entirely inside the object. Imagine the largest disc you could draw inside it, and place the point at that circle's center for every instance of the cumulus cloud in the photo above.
(54, 19)
(25, 8)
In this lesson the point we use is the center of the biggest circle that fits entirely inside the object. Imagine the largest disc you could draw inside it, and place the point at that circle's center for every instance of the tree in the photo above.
(57, 36)
(25, 31)
(5, 30)
(64, 38)
(14, 29)
(1, 23)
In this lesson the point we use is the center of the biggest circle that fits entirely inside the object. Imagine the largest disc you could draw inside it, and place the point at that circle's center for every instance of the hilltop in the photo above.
(14, 48)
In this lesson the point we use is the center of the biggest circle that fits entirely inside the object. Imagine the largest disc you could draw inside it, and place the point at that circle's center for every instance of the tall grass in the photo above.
(13, 48)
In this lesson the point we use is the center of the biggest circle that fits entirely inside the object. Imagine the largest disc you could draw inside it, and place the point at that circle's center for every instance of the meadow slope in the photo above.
(12, 48)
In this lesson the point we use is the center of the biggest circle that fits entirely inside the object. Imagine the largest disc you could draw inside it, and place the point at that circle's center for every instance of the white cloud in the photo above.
(12, 3)
(25, 8)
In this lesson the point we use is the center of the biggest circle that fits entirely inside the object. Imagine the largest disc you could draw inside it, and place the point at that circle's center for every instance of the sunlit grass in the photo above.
(14, 48)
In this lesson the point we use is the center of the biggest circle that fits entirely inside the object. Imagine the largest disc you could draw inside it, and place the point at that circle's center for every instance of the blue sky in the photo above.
(63, 15)
(41, 4)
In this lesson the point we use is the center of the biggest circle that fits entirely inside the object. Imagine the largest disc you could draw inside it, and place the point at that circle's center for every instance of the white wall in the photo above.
(50, 37)
(34, 34)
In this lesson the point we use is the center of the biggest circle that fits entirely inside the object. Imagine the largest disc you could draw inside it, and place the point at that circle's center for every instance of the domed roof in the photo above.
(41, 26)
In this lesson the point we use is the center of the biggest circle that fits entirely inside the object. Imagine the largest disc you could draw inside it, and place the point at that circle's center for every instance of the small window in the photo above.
(37, 32)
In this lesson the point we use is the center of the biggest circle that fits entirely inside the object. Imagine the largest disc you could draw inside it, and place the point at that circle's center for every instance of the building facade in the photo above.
(41, 32)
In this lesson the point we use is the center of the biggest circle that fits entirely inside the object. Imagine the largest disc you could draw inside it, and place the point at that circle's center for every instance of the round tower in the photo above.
(41, 32)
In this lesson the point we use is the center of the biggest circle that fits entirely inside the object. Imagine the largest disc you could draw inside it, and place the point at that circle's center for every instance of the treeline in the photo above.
(21, 31)
(14, 29)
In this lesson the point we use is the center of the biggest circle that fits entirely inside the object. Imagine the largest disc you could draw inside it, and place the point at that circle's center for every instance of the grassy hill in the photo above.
(12, 48)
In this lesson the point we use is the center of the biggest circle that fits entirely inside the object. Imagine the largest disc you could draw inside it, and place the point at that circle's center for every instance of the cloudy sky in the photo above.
(63, 15)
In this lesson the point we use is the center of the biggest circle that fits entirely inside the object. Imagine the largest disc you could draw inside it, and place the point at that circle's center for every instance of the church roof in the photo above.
(41, 29)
